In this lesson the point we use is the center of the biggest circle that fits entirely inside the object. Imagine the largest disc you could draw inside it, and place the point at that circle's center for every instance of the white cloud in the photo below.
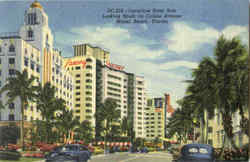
(175, 64)
(234, 30)
(184, 38)
(127, 49)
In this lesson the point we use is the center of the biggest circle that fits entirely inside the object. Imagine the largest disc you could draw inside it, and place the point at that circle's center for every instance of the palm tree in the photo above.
(200, 94)
(180, 124)
(220, 83)
(21, 87)
(84, 132)
(231, 57)
(66, 123)
(108, 114)
(48, 105)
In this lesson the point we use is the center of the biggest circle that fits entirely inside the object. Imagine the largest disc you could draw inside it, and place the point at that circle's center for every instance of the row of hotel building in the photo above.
(84, 80)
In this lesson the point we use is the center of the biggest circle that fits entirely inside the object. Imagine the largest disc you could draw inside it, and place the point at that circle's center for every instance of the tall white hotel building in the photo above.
(32, 48)
(84, 80)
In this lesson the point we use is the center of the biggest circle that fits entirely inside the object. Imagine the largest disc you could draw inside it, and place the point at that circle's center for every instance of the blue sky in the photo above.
(164, 54)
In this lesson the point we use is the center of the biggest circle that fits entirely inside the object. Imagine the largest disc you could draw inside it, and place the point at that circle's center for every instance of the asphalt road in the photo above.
(133, 157)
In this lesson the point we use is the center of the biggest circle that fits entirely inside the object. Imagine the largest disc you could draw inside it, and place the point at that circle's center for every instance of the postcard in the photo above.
(81, 80)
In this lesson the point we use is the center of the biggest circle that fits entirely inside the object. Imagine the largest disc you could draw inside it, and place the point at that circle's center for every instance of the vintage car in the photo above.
(196, 153)
(69, 153)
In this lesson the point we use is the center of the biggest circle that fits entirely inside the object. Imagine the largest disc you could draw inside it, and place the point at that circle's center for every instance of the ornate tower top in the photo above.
(36, 5)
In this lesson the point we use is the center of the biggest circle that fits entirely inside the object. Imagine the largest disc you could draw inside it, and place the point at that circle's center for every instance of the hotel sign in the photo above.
(77, 62)
(115, 66)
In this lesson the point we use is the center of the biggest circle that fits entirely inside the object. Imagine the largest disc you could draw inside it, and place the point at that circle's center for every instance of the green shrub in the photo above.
(9, 155)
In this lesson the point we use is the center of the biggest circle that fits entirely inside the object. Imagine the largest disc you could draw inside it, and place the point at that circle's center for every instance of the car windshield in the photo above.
(196, 150)
(193, 150)
(203, 151)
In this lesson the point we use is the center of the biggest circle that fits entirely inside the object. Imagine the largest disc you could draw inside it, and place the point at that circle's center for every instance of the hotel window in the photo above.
(78, 75)
(88, 93)
(37, 69)
(88, 67)
(32, 19)
(11, 106)
(78, 93)
(88, 99)
(77, 105)
(78, 87)
(88, 87)
(11, 72)
(26, 62)
(89, 60)
(0, 49)
(88, 80)
(30, 33)
(11, 117)
(88, 111)
(78, 99)
(11, 60)
(78, 81)
(78, 117)
(32, 66)
(88, 104)
(149, 103)
(89, 75)
(210, 142)
(77, 111)
(210, 129)
(78, 67)
(12, 48)
(0, 72)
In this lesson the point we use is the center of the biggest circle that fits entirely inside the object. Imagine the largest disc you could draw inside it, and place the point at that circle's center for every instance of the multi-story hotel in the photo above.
(32, 48)
(97, 79)
(157, 112)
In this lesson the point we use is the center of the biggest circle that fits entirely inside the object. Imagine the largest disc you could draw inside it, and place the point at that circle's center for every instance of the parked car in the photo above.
(69, 153)
(195, 153)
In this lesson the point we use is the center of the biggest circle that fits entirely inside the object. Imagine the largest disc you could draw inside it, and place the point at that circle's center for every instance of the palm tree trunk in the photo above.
(105, 136)
(22, 125)
(207, 120)
(202, 130)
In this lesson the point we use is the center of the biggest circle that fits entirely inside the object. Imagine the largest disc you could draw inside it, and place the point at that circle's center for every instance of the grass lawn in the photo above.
(23, 160)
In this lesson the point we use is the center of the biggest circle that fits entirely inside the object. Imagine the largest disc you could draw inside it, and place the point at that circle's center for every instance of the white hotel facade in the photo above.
(31, 48)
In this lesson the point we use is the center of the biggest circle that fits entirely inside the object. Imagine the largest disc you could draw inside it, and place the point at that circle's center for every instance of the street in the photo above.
(133, 157)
